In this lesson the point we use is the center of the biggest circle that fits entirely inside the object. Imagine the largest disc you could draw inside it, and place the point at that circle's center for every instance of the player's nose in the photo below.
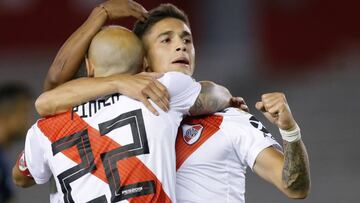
(180, 45)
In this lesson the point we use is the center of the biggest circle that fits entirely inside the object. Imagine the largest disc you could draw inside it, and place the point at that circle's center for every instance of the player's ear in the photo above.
(89, 67)
(146, 67)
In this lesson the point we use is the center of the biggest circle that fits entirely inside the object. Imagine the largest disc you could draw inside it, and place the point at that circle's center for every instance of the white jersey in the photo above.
(112, 149)
(213, 153)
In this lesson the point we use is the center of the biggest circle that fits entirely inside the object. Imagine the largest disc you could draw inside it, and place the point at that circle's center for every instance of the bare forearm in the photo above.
(71, 54)
(73, 93)
(296, 172)
(211, 99)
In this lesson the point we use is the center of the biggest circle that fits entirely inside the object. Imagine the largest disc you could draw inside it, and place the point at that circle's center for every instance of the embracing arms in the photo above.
(71, 54)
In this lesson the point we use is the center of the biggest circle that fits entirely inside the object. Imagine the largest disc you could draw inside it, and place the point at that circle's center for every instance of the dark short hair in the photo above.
(157, 14)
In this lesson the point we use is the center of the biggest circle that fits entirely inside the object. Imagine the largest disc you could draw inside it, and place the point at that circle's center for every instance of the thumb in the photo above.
(260, 106)
(236, 101)
(270, 117)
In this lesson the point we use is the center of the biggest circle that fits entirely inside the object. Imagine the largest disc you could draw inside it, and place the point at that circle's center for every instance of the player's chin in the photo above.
(183, 69)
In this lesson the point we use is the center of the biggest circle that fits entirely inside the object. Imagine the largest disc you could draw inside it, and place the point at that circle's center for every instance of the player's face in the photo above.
(169, 47)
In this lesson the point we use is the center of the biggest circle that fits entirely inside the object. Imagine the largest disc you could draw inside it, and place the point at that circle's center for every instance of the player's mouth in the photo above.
(183, 61)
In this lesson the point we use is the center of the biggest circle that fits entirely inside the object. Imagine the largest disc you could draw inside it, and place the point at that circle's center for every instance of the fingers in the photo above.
(150, 87)
(270, 106)
(272, 98)
(275, 108)
(138, 15)
(142, 10)
(148, 105)
(138, 7)
(260, 106)
(245, 107)
(269, 117)
(124, 8)
(266, 111)
(146, 15)
(160, 93)
(238, 102)
(161, 90)
(154, 94)
(139, 11)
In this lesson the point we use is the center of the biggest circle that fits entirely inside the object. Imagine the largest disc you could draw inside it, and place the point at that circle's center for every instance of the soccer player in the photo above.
(213, 151)
(245, 137)
(113, 148)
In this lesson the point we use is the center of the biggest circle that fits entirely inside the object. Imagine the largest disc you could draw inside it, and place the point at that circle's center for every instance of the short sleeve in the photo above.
(35, 155)
(183, 90)
(249, 137)
(257, 142)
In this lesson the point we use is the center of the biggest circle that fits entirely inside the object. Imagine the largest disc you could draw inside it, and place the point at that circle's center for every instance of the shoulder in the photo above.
(36, 131)
(182, 88)
(240, 123)
(235, 116)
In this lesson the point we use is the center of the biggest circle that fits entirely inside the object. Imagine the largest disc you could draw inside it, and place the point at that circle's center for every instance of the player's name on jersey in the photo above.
(90, 108)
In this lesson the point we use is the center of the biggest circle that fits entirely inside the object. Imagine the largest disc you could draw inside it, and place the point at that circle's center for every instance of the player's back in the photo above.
(112, 149)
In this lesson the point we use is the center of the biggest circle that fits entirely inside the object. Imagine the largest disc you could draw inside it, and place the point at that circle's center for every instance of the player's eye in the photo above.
(187, 40)
(166, 40)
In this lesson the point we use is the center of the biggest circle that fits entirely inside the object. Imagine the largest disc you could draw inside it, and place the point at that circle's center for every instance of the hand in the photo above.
(124, 8)
(276, 109)
(143, 86)
(238, 102)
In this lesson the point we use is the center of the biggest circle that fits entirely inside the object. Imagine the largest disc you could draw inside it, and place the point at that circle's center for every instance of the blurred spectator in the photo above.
(15, 118)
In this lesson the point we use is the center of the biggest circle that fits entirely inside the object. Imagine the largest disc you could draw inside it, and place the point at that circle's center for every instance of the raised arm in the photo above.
(290, 171)
(71, 54)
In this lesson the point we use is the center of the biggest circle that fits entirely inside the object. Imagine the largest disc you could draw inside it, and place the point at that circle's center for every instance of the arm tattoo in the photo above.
(204, 105)
(211, 99)
(296, 173)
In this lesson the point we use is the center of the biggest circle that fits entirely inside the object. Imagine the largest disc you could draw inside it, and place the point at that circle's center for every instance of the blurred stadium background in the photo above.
(309, 49)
